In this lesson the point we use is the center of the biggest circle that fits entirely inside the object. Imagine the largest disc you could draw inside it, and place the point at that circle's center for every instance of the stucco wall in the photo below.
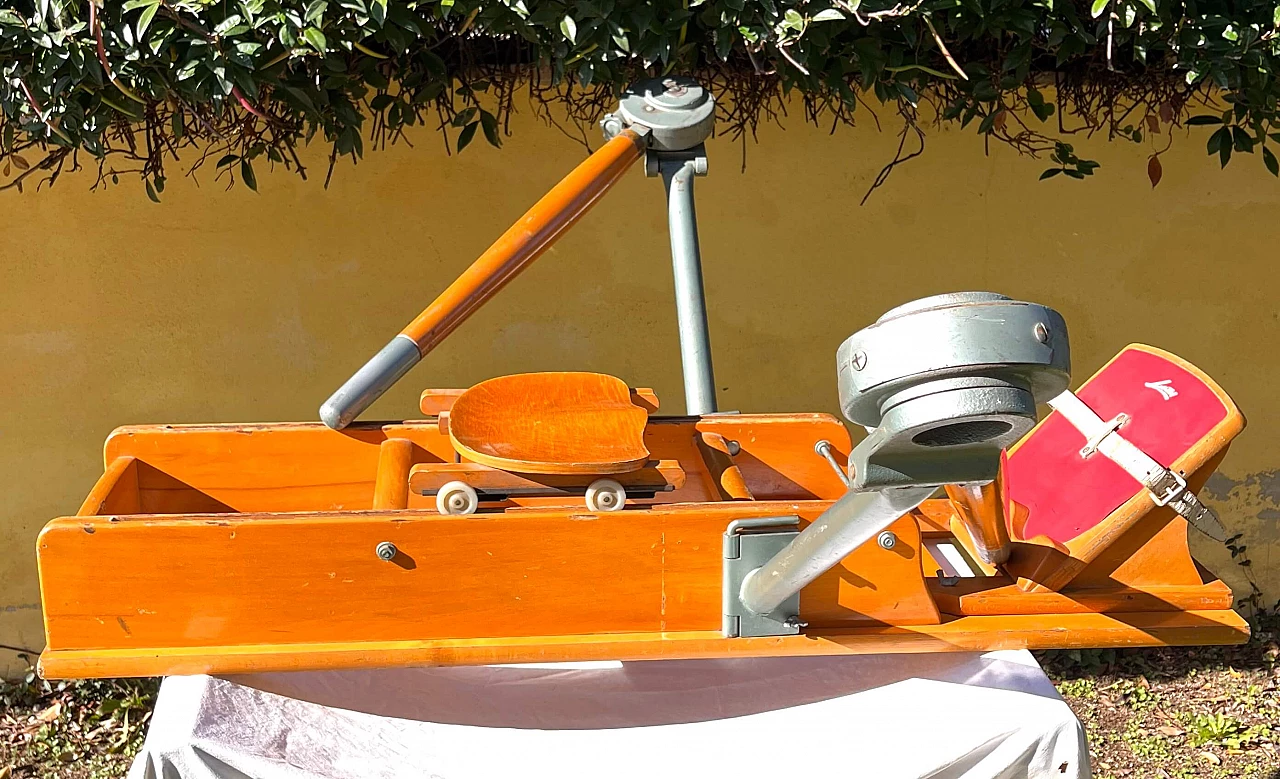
(235, 306)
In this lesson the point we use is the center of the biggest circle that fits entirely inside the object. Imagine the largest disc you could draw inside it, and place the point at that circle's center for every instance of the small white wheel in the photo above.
(606, 495)
(457, 497)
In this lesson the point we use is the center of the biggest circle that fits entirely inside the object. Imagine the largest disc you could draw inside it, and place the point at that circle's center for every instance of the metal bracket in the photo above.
(749, 544)
(654, 161)
(1091, 445)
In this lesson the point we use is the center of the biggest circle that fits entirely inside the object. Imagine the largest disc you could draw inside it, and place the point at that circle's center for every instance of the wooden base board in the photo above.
(964, 634)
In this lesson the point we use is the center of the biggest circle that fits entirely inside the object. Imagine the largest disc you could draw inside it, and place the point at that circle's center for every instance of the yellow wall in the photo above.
(234, 306)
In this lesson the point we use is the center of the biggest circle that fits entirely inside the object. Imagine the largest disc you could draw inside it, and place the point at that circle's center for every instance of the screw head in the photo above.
(859, 360)
(887, 540)
(1042, 333)
(734, 448)
(386, 551)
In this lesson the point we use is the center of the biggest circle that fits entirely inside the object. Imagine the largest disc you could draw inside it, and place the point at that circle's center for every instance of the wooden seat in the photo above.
(583, 423)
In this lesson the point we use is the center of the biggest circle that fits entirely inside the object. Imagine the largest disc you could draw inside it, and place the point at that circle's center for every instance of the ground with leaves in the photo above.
(1156, 714)
(1174, 713)
(72, 730)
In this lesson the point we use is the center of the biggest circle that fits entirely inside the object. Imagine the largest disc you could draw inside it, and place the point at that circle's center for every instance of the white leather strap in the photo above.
(1167, 488)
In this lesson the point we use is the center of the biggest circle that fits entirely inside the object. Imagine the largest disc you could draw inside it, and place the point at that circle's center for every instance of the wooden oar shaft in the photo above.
(528, 238)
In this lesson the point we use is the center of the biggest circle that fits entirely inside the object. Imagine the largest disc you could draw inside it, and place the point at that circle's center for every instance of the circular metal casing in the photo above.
(963, 369)
(677, 110)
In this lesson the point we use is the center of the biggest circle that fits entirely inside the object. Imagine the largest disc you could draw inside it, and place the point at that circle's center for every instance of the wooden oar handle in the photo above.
(520, 245)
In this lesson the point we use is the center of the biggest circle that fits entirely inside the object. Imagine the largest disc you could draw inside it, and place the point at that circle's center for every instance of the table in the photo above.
(969, 715)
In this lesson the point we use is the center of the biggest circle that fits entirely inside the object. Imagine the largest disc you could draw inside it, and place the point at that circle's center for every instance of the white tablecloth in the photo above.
(881, 716)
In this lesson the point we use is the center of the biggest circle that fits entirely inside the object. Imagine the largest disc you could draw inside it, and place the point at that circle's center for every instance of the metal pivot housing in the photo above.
(676, 114)
(943, 384)
(946, 382)
(677, 111)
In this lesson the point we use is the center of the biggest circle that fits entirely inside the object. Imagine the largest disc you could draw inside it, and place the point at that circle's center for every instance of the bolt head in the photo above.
(386, 551)
(734, 448)
(1042, 333)
(859, 360)
(887, 540)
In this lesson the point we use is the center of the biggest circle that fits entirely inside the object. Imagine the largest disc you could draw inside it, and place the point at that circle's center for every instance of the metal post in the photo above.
(851, 521)
(691, 306)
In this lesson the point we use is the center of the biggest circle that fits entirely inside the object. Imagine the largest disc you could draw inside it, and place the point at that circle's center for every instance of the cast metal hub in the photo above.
(946, 382)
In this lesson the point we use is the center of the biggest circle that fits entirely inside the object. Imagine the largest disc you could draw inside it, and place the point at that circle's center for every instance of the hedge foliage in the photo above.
(133, 87)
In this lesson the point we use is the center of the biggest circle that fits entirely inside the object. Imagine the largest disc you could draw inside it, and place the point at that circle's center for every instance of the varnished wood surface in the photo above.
(551, 423)
(305, 466)
(1042, 564)
(724, 475)
(427, 479)
(391, 487)
(314, 577)
(999, 595)
(526, 240)
(434, 402)
(116, 492)
(964, 634)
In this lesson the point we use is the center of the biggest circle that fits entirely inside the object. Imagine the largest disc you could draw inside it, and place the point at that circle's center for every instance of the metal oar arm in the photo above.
(515, 250)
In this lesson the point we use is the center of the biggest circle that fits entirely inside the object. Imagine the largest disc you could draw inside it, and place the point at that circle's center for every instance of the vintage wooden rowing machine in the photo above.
(559, 516)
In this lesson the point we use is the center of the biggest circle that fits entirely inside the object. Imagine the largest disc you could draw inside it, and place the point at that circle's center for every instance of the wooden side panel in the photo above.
(874, 586)
(965, 634)
(998, 595)
(204, 581)
(278, 467)
(308, 467)
(116, 491)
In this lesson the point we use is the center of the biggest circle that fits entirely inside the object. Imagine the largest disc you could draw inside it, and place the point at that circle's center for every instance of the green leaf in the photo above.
(1242, 140)
(227, 25)
(569, 28)
(1150, 4)
(489, 123)
(315, 9)
(151, 193)
(1050, 173)
(227, 160)
(1224, 149)
(246, 175)
(468, 132)
(829, 15)
(1218, 139)
(144, 21)
(1098, 7)
(1204, 119)
(1269, 159)
(316, 39)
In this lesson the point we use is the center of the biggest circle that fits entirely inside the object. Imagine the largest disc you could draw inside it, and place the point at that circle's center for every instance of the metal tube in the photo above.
(520, 245)
(851, 521)
(691, 304)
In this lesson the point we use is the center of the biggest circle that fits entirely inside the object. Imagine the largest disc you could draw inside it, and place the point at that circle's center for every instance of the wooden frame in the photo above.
(238, 548)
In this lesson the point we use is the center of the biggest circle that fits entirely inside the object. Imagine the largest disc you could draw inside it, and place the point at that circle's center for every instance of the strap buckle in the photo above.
(1166, 487)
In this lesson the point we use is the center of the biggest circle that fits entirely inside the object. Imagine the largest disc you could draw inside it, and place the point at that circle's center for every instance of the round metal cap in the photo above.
(677, 110)
(964, 345)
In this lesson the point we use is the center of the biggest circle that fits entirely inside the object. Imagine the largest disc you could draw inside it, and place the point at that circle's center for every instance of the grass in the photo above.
(72, 730)
(1177, 713)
